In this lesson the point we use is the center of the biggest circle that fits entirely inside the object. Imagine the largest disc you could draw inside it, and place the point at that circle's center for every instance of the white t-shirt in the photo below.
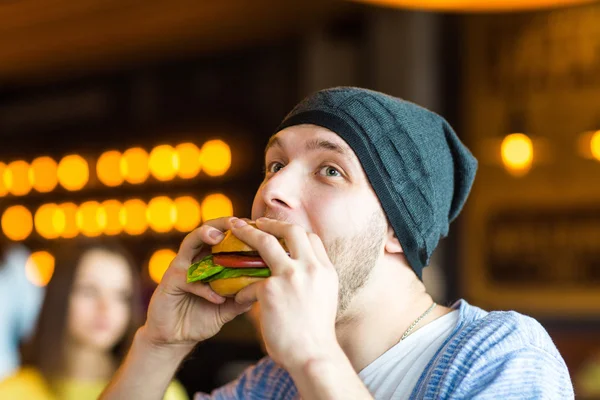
(395, 373)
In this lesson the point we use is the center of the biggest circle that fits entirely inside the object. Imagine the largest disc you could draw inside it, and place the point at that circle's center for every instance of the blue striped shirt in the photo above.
(495, 355)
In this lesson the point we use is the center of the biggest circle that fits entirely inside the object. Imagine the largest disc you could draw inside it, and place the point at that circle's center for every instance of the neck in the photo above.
(85, 363)
(379, 315)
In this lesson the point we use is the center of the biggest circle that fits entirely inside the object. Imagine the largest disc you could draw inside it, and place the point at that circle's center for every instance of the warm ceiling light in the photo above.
(188, 213)
(91, 218)
(108, 168)
(517, 153)
(159, 262)
(17, 223)
(69, 210)
(113, 222)
(161, 214)
(163, 162)
(475, 5)
(134, 165)
(39, 268)
(215, 157)
(73, 172)
(189, 160)
(215, 206)
(595, 145)
(3, 190)
(133, 217)
(16, 178)
(50, 221)
(43, 174)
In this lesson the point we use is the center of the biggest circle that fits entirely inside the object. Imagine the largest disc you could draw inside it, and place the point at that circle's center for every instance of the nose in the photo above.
(282, 191)
(103, 305)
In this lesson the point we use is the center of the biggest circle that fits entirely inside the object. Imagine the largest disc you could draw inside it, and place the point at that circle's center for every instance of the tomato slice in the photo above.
(238, 261)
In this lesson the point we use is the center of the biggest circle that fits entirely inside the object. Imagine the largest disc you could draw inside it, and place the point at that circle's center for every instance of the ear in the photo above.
(392, 244)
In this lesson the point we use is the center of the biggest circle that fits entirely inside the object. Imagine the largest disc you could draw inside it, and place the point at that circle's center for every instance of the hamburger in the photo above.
(232, 266)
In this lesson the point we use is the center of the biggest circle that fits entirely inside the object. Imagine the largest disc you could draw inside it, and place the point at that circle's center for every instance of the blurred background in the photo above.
(139, 120)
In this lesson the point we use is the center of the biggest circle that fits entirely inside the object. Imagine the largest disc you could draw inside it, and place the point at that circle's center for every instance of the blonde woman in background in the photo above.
(91, 310)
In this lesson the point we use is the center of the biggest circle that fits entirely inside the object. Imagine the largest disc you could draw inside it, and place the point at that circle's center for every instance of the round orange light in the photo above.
(161, 214)
(189, 160)
(16, 178)
(134, 165)
(108, 168)
(133, 217)
(69, 211)
(17, 223)
(164, 162)
(39, 268)
(50, 221)
(73, 172)
(159, 263)
(188, 214)
(43, 174)
(215, 206)
(517, 153)
(3, 189)
(215, 157)
(113, 221)
(595, 145)
(91, 218)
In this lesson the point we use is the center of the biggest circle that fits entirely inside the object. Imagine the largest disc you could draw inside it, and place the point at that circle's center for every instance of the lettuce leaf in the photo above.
(203, 269)
(237, 272)
(206, 270)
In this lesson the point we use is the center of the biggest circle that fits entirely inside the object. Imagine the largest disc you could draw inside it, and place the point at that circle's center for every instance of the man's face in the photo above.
(314, 179)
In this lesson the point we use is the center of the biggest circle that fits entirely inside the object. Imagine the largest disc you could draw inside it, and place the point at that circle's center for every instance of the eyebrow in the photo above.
(314, 144)
(273, 142)
(318, 144)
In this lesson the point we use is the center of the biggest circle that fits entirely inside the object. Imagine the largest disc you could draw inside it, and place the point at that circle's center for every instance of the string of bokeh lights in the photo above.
(112, 217)
(114, 168)
(92, 218)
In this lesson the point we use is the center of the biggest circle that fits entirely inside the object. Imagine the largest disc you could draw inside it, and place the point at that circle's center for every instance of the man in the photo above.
(361, 186)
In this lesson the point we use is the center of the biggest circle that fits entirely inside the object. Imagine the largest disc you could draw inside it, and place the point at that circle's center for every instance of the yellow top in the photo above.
(29, 384)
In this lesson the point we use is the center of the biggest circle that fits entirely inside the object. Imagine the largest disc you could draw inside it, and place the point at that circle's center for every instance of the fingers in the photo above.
(319, 249)
(266, 244)
(203, 290)
(211, 233)
(231, 309)
(174, 283)
(296, 238)
(249, 294)
(175, 279)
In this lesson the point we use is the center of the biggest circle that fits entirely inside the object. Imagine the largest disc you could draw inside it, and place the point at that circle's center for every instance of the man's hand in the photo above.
(299, 301)
(182, 314)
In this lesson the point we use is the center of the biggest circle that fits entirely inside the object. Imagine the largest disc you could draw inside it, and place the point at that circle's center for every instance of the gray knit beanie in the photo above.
(418, 167)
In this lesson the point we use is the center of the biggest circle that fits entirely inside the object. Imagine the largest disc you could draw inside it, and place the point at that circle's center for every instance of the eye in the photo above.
(124, 296)
(330, 171)
(86, 290)
(274, 167)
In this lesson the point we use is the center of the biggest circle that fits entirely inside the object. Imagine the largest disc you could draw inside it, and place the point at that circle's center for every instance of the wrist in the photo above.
(171, 351)
(332, 355)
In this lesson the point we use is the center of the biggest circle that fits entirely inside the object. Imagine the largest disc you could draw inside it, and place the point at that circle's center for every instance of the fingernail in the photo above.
(239, 223)
(215, 234)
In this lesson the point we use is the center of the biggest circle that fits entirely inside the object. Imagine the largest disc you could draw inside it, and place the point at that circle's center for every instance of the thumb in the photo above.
(230, 309)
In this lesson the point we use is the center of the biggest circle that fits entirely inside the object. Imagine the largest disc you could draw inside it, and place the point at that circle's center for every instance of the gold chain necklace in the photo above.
(416, 321)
